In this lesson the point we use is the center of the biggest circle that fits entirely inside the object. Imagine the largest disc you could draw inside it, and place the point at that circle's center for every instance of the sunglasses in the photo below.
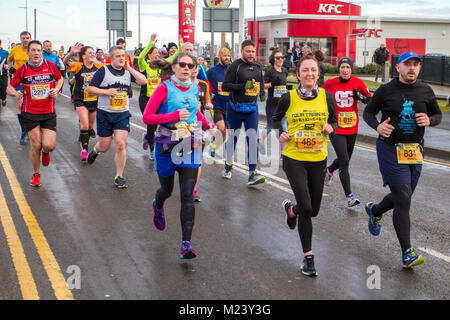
(279, 57)
(184, 64)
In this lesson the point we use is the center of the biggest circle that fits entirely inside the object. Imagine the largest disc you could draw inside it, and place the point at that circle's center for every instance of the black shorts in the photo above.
(219, 114)
(91, 106)
(45, 121)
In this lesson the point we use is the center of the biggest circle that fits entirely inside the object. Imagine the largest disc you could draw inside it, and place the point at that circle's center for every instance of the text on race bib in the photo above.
(347, 119)
(119, 101)
(278, 91)
(153, 82)
(409, 153)
(40, 91)
(308, 141)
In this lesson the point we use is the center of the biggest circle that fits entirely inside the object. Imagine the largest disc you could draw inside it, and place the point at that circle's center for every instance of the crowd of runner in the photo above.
(177, 96)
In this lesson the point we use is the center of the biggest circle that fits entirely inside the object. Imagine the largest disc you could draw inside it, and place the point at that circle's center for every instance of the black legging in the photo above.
(143, 100)
(306, 180)
(400, 200)
(343, 145)
(187, 178)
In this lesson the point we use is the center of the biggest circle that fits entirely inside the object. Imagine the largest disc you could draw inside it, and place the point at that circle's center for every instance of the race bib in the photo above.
(40, 91)
(87, 97)
(308, 141)
(253, 92)
(119, 101)
(278, 91)
(219, 89)
(409, 153)
(347, 119)
(154, 82)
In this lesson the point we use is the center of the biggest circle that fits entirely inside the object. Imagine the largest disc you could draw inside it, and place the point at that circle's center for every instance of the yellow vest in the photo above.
(306, 119)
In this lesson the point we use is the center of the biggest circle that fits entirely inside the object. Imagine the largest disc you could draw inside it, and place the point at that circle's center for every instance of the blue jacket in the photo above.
(51, 57)
(3, 58)
(215, 76)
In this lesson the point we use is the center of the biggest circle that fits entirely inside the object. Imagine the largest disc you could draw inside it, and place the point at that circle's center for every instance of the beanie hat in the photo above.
(345, 60)
(170, 45)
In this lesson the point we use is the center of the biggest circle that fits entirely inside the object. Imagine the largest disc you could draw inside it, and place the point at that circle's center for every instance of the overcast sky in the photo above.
(66, 22)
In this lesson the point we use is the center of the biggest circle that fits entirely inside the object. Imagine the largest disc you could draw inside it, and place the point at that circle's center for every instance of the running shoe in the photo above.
(187, 252)
(328, 177)
(255, 178)
(45, 158)
(84, 155)
(289, 208)
(226, 174)
(120, 182)
(374, 222)
(35, 180)
(23, 138)
(151, 156)
(411, 259)
(144, 141)
(352, 200)
(92, 156)
(3, 103)
(159, 221)
(196, 197)
(307, 267)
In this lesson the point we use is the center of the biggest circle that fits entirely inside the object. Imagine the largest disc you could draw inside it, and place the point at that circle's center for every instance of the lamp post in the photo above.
(26, 14)
(139, 22)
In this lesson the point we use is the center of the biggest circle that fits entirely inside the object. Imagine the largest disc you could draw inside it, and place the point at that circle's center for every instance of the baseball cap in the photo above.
(408, 55)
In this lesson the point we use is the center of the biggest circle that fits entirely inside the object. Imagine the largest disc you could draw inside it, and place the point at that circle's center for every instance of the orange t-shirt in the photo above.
(127, 56)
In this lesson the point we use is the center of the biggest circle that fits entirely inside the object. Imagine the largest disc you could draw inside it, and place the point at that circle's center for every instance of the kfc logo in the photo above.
(330, 8)
(369, 32)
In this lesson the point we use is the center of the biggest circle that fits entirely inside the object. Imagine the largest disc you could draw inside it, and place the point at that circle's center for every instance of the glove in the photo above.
(360, 96)
(262, 96)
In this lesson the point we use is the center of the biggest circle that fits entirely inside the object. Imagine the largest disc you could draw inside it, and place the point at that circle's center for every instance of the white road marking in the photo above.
(436, 254)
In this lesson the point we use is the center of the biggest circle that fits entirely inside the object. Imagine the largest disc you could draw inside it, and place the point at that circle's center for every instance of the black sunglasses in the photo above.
(279, 57)
(184, 64)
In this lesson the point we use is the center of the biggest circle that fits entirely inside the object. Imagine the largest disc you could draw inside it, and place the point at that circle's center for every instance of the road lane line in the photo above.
(23, 271)
(436, 254)
(49, 261)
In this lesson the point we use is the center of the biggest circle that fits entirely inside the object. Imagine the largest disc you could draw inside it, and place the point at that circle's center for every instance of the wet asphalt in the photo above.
(245, 249)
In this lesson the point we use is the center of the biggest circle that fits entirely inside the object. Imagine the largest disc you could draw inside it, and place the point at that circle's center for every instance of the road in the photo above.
(77, 228)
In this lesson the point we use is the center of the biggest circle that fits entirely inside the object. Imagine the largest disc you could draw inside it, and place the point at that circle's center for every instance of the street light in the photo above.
(26, 13)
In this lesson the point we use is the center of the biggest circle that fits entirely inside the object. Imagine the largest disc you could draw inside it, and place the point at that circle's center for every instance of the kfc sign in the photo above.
(330, 8)
(369, 32)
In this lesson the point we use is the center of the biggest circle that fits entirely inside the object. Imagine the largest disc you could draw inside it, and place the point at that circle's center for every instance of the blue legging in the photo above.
(234, 121)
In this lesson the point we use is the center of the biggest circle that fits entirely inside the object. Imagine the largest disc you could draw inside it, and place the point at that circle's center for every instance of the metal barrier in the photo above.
(435, 69)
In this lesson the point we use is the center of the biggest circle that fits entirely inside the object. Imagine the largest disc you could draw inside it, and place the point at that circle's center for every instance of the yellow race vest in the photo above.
(306, 119)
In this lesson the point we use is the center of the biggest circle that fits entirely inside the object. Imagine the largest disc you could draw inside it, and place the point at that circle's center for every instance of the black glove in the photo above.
(360, 97)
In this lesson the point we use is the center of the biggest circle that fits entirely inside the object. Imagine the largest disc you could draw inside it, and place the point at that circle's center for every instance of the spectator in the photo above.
(380, 56)
(306, 51)
(320, 57)
(296, 52)
(288, 60)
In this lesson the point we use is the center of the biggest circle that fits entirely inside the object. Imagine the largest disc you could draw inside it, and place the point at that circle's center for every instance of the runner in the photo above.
(407, 106)
(204, 103)
(38, 78)
(3, 74)
(16, 59)
(243, 80)
(310, 113)
(149, 54)
(48, 53)
(122, 43)
(174, 108)
(275, 80)
(99, 58)
(215, 76)
(346, 90)
(111, 84)
(84, 103)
